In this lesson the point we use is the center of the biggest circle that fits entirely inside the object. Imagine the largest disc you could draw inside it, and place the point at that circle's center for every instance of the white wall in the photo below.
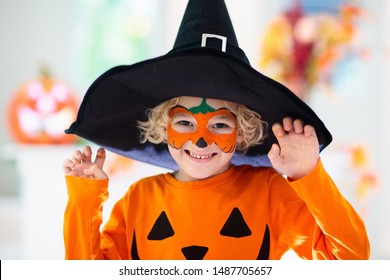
(381, 136)
(31, 34)
(41, 31)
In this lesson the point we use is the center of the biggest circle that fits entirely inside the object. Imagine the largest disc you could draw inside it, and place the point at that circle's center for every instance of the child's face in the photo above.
(201, 137)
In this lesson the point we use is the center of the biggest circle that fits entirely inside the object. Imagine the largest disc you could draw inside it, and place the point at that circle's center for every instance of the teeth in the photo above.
(199, 156)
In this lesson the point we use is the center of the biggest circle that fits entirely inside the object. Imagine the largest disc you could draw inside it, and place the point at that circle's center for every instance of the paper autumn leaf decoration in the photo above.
(366, 178)
(302, 50)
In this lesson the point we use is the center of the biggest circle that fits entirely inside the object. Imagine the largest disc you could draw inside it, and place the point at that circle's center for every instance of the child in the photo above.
(218, 203)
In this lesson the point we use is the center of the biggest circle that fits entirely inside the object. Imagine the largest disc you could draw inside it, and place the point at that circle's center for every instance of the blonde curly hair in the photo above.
(249, 124)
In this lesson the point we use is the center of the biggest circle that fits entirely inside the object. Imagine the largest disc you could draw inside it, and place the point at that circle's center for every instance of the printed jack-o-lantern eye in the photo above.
(202, 125)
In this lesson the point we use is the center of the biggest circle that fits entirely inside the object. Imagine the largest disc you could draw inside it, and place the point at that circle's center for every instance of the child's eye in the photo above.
(183, 126)
(222, 128)
(220, 125)
(184, 123)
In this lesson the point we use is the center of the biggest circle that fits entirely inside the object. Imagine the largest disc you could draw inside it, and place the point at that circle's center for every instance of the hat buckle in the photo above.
(205, 36)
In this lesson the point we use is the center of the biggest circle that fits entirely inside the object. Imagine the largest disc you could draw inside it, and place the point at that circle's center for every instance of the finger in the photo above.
(298, 126)
(100, 157)
(87, 152)
(278, 130)
(67, 166)
(77, 156)
(288, 124)
(309, 131)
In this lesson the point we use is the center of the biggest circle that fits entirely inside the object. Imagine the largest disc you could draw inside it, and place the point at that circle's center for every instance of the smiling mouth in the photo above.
(198, 156)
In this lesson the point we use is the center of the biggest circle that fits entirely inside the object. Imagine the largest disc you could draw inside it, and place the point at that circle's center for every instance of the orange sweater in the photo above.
(244, 213)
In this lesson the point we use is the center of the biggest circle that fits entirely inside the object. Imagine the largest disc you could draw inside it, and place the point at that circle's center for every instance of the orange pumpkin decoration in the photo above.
(41, 110)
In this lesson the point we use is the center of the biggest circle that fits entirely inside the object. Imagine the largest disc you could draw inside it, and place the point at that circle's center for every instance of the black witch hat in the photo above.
(205, 61)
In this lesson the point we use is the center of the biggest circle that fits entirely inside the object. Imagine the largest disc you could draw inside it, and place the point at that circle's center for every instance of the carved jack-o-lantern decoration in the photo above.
(235, 227)
(41, 110)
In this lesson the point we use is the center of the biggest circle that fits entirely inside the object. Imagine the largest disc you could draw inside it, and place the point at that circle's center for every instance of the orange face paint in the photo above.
(202, 125)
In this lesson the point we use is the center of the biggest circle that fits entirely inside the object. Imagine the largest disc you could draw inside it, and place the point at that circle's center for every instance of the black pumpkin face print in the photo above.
(161, 229)
(235, 227)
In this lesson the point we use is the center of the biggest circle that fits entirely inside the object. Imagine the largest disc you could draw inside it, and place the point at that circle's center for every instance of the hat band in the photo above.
(205, 36)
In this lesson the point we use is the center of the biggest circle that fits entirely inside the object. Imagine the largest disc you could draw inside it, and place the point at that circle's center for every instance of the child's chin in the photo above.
(202, 173)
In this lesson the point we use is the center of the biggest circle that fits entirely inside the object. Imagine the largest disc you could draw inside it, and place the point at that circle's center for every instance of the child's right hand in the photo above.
(81, 164)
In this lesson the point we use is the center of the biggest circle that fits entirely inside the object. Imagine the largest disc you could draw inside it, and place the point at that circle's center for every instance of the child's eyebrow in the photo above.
(188, 110)
(226, 109)
(224, 118)
(182, 114)
(180, 106)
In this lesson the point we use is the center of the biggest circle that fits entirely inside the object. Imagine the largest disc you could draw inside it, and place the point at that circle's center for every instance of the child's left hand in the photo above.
(298, 150)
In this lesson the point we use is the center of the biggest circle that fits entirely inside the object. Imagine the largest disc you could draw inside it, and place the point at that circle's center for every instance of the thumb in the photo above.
(95, 172)
(274, 154)
(100, 157)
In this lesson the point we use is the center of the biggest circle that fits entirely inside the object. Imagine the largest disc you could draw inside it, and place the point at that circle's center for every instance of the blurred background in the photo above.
(334, 54)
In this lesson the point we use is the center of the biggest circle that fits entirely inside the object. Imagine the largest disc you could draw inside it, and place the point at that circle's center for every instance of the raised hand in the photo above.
(81, 164)
(298, 150)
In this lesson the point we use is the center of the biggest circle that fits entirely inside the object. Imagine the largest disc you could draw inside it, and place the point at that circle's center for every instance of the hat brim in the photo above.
(120, 97)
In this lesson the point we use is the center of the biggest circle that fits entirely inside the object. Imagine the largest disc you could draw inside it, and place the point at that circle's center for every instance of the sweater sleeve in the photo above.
(83, 217)
(339, 232)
